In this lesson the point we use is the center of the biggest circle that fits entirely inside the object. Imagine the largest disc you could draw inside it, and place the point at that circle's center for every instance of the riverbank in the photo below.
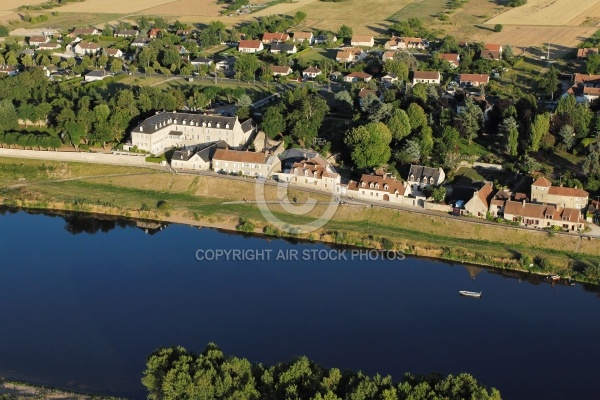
(20, 390)
(215, 202)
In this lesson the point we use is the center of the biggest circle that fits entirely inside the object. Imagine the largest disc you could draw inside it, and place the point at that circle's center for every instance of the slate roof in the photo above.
(153, 123)
(419, 172)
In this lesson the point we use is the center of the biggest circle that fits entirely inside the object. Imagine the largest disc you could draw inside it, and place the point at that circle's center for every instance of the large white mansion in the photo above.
(165, 130)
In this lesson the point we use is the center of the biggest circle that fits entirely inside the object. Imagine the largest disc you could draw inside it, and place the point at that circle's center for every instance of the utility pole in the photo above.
(548, 52)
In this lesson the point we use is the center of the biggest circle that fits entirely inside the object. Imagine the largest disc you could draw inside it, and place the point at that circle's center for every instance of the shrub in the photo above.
(245, 226)
(162, 205)
(498, 28)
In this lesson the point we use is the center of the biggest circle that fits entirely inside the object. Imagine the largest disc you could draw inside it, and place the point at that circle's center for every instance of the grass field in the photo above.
(544, 12)
(14, 4)
(110, 6)
(423, 9)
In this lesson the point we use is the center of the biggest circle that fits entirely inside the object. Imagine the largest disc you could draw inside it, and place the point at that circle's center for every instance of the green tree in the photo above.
(539, 127)
(344, 31)
(592, 64)
(549, 82)
(591, 165)
(399, 125)
(510, 129)
(498, 28)
(8, 116)
(410, 153)
(273, 121)
(567, 134)
(370, 144)
(416, 116)
(397, 67)
(246, 66)
(116, 66)
(470, 119)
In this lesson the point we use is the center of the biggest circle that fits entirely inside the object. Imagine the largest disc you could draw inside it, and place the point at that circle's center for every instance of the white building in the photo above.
(247, 163)
(314, 172)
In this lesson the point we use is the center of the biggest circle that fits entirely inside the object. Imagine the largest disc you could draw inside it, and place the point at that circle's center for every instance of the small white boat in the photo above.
(470, 294)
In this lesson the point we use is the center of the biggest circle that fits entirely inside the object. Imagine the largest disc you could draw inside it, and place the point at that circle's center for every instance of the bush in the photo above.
(498, 28)
(162, 205)
(516, 3)
(245, 226)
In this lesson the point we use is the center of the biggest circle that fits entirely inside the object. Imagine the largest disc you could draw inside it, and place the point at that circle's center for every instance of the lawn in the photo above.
(315, 55)
(423, 9)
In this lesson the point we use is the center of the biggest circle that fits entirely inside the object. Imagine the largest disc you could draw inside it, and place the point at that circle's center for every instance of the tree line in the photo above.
(176, 373)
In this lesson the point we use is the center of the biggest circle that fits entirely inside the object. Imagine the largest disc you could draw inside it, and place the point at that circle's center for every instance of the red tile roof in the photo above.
(240, 156)
(541, 181)
(426, 75)
(249, 44)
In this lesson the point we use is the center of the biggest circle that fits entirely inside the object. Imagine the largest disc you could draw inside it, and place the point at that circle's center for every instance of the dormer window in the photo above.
(548, 216)
(377, 186)
(371, 185)
(218, 124)
(141, 128)
(203, 124)
(412, 177)
(175, 121)
(385, 187)
(364, 184)
(431, 181)
(425, 180)
(305, 173)
(315, 174)
(227, 126)
(185, 121)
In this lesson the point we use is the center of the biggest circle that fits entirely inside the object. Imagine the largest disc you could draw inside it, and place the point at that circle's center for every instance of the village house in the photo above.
(377, 187)
(453, 59)
(582, 54)
(140, 42)
(126, 33)
(171, 129)
(199, 61)
(275, 37)
(320, 39)
(428, 77)
(182, 51)
(83, 32)
(357, 77)
(402, 42)
(365, 41)
(183, 33)
(311, 73)
(35, 41)
(225, 64)
(389, 79)
(473, 79)
(196, 158)
(542, 191)
(8, 70)
(154, 33)
(48, 46)
(250, 46)
(247, 163)
(388, 55)
(314, 172)
(422, 176)
(479, 204)
(83, 48)
(116, 53)
(585, 88)
(344, 57)
(277, 70)
(491, 51)
(303, 36)
(364, 93)
(539, 216)
(283, 48)
(97, 75)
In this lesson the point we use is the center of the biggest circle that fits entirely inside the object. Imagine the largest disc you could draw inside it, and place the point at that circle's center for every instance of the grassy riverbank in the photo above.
(20, 390)
(199, 200)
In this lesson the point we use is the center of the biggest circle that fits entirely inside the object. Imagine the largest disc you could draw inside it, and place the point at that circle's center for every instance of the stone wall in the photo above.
(73, 156)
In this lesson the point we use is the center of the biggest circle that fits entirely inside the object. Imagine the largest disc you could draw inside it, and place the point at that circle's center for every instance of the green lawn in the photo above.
(423, 9)
(315, 55)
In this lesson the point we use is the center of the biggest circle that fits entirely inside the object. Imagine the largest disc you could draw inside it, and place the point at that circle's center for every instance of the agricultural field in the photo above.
(423, 9)
(110, 6)
(7, 5)
(544, 12)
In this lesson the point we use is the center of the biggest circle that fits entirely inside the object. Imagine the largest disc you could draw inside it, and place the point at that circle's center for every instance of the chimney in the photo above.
(523, 202)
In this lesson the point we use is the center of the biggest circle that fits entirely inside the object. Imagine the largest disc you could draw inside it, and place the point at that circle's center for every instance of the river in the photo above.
(83, 302)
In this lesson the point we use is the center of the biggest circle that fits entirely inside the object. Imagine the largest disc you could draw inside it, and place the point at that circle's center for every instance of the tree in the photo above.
(592, 64)
(3, 31)
(581, 118)
(510, 129)
(246, 66)
(549, 82)
(591, 165)
(470, 119)
(410, 153)
(244, 101)
(439, 194)
(416, 116)
(397, 67)
(399, 125)
(370, 144)
(116, 66)
(75, 132)
(566, 105)
(498, 28)
(344, 100)
(344, 31)
(8, 116)
(567, 134)
(273, 121)
(539, 127)
(380, 111)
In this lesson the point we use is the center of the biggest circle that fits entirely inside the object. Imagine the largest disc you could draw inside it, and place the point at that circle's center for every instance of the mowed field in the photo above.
(562, 38)
(112, 6)
(546, 12)
(187, 8)
(6, 5)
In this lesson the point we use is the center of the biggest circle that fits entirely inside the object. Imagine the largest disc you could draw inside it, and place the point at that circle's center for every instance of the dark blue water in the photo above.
(83, 312)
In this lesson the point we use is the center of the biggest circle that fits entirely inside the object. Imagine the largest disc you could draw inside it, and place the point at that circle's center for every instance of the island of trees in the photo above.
(176, 373)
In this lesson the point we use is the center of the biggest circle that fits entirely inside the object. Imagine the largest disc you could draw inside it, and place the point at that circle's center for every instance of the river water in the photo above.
(83, 302)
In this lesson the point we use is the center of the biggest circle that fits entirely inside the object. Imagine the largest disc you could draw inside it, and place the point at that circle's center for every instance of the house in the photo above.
(83, 48)
(425, 176)
(539, 216)
(405, 42)
(154, 33)
(8, 70)
(277, 70)
(84, 31)
(389, 79)
(182, 51)
(172, 129)
(116, 53)
(247, 163)
(491, 51)
(198, 61)
(344, 56)
(479, 204)
(473, 79)
(140, 42)
(377, 187)
(48, 46)
(428, 77)
(314, 172)
(275, 37)
(127, 33)
(278, 47)
(311, 73)
(97, 75)
(365, 41)
(388, 55)
(363, 93)
(35, 41)
(183, 33)
(335, 76)
(197, 158)
(453, 59)
(320, 39)
(585, 88)
(304, 36)
(357, 77)
(250, 46)
(584, 53)
(542, 191)
(225, 64)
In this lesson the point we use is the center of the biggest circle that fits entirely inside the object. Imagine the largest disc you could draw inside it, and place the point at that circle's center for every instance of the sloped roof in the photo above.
(282, 37)
(361, 38)
(567, 191)
(426, 75)
(249, 44)
(240, 156)
(163, 118)
(366, 180)
(542, 181)
(419, 172)
(482, 78)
